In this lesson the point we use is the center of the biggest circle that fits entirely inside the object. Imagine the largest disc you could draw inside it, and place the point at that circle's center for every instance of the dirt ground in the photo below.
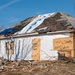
(60, 67)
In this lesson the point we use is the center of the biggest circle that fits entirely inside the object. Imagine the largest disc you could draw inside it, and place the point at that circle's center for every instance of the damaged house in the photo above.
(41, 37)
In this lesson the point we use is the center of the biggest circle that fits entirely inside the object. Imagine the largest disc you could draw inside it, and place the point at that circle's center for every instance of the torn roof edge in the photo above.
(36, 34)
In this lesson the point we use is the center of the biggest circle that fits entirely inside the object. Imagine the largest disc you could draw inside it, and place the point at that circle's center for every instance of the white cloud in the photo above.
(38, 13)
(12, 20)
(8, 4)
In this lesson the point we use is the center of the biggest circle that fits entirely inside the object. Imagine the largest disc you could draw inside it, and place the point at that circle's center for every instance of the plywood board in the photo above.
(63, 43)
(36, 49)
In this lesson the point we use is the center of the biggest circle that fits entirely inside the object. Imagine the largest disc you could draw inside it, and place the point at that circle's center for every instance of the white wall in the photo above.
(23, 47)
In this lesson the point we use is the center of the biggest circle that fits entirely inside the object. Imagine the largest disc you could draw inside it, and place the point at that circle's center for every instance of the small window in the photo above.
(7, 48)
(10, 47)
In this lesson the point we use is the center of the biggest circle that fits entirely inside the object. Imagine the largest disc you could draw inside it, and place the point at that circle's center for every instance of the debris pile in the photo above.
(60, 67)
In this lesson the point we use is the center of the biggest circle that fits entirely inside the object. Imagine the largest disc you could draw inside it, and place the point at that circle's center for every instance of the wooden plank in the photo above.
(36, 49)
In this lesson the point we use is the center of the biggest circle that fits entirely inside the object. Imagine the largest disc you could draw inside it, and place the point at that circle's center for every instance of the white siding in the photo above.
(23, 47)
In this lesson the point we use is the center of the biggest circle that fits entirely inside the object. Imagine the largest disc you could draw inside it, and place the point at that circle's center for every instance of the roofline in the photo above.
(36, 34)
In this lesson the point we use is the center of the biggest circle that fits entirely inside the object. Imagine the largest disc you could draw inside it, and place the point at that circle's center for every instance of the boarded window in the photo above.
(63, 43)
(10, 48)
(64, 46)
(36, 49)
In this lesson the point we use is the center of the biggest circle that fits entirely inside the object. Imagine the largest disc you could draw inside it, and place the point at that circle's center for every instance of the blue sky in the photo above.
(14, 11)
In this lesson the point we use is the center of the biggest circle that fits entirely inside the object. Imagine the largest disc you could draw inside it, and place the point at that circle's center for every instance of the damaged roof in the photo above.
(43, 23)
(58, 22)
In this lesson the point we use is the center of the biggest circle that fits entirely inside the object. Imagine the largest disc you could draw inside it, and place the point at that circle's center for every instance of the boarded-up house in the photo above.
(42, 37)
